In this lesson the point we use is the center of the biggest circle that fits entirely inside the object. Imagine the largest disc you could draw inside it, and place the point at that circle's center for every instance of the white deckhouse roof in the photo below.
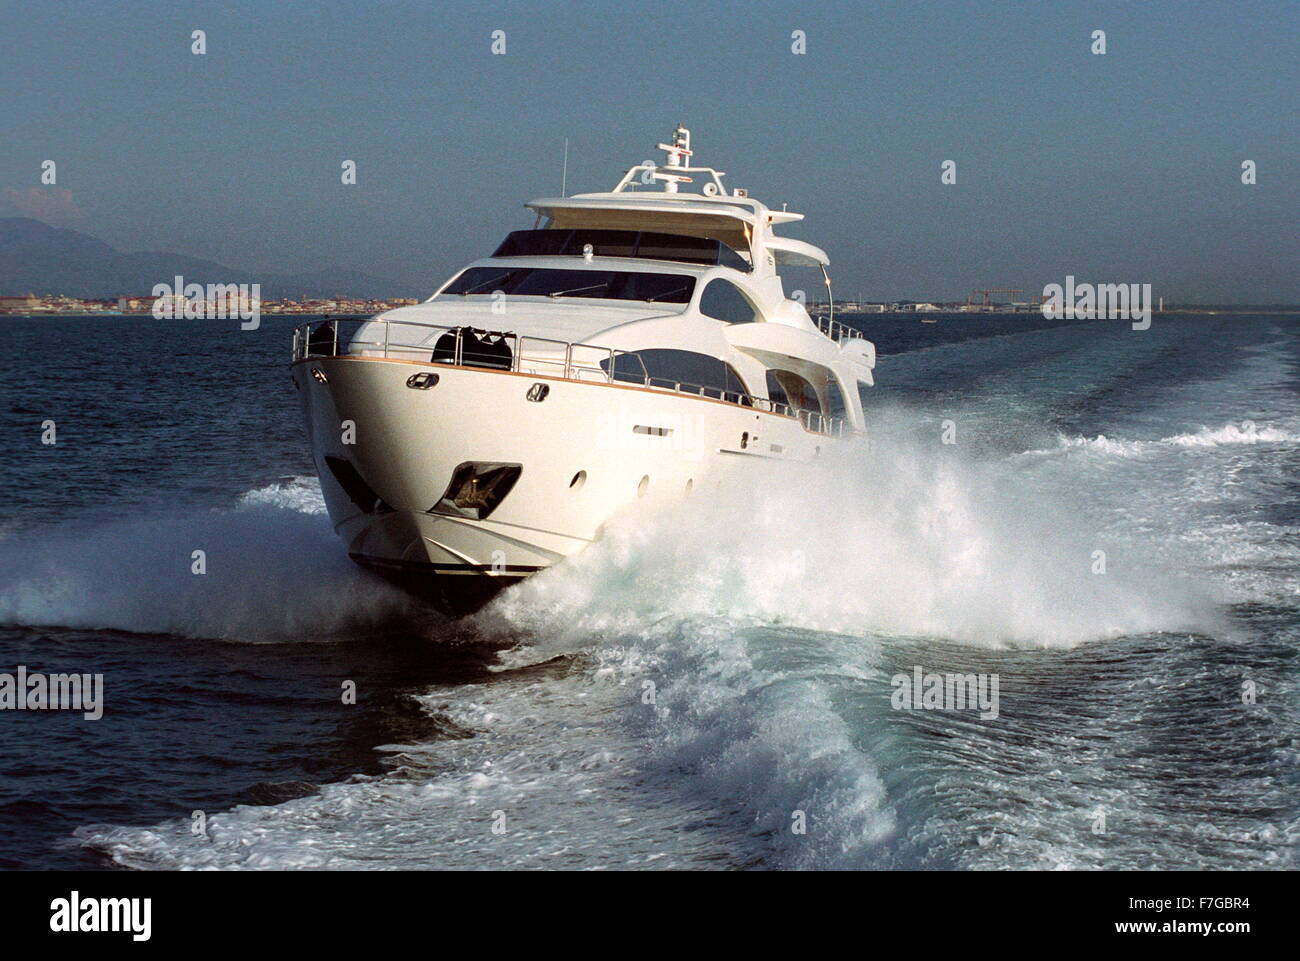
(739, 221)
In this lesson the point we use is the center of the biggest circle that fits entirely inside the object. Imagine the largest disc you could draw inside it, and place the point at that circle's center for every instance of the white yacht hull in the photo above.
(584, 452)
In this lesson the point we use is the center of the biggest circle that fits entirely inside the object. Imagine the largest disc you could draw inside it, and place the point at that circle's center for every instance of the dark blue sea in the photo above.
(709, 687)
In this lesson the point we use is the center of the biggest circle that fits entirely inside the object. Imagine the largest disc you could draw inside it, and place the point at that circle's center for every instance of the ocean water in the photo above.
(711, 676)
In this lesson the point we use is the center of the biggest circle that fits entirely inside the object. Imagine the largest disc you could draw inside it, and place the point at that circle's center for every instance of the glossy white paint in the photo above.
(408, 442)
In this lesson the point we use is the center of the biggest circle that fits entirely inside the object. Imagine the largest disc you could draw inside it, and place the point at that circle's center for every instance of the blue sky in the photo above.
(1117, 168)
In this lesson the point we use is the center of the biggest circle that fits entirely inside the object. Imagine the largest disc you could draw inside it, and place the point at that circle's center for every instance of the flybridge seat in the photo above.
(643, 244)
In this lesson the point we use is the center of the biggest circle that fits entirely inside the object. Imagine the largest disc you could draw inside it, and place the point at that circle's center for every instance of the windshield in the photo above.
(547, 282)
(621, 243)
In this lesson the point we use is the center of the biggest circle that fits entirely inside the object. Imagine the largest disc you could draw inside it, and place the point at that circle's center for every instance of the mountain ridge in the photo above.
(41, 259)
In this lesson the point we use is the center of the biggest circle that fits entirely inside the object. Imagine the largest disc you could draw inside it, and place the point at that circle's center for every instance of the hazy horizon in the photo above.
(1122, 167)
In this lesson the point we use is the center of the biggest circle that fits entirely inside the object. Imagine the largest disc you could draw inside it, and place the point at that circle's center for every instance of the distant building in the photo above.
(19, 303)
(135, 303)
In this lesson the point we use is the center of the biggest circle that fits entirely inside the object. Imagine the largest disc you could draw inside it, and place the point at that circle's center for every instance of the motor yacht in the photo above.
(637, 342)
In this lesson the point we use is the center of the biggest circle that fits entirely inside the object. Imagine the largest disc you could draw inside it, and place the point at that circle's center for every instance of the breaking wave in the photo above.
(892, 538)
(1245, 432)
(273, 571)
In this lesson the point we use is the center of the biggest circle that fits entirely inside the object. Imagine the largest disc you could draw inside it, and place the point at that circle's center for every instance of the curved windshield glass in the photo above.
(620, 243)
(548, 282)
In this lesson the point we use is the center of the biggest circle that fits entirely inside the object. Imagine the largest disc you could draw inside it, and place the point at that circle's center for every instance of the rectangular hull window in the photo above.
(476, 488)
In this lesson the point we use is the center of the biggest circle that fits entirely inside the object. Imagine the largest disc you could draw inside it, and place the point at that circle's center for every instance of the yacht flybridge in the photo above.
(634, 341)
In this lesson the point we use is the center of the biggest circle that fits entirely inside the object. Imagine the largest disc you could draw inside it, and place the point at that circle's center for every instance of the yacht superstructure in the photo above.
(633, 341)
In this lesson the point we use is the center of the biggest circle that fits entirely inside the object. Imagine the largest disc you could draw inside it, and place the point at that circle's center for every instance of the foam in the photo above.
(764, 613)
(898, 538)
(274, 571)
(1246, 432)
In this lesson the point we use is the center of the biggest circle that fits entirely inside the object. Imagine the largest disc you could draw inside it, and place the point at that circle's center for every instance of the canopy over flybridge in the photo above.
(734, 218)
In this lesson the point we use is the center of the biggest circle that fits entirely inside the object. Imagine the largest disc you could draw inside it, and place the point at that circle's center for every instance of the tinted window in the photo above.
(620, 243)
(657, 288)
(572, 283)
(608, 284)
(835, 406)
(667, 368)
(723, 300)
(482, 280)
(786, 387)
(691, 250)
(536, 243)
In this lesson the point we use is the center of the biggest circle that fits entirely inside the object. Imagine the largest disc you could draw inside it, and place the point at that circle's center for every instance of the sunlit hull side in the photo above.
(387, 453)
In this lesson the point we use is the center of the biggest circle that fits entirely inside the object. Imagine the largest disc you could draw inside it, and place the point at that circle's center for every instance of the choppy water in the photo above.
(768, 623)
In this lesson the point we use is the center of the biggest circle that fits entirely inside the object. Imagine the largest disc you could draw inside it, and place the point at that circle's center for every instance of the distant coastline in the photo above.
(59, 305)
(29, 306)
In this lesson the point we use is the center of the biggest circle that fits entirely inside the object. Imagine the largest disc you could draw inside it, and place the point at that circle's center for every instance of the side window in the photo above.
(722, 300)
(785, 387)
(863, 388)
(835, 406)
(735, 384)
(775, 392)
(669, 367)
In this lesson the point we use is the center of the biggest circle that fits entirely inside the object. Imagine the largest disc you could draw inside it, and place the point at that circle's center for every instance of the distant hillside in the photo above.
(40, 259)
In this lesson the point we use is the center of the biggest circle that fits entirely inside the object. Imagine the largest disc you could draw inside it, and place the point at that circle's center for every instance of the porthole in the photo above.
(643, 486)
(690, 482)
(579, 479)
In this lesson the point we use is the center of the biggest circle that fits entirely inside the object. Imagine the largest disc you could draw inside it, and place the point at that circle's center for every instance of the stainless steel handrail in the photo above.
(835, 330)
(561, 358)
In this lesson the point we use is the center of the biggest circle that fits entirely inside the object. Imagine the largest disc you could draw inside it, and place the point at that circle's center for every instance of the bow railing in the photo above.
(518, 353)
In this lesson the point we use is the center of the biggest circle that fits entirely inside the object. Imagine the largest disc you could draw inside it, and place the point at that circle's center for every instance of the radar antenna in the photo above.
(675, 169)
(679, 149)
